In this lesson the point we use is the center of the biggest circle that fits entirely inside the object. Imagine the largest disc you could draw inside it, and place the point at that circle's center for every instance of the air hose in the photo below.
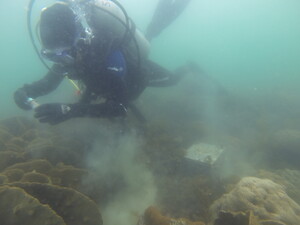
(30, 5)
(126, 33)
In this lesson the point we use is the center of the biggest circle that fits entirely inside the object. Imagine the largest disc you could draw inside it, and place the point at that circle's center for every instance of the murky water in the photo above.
(246, 100)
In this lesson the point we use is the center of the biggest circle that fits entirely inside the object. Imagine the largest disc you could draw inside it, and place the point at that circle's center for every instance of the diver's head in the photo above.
(58, 33)
(57, 26)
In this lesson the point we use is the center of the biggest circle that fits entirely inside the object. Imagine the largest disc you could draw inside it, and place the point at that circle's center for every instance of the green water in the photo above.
(250, 46)
(249, 49)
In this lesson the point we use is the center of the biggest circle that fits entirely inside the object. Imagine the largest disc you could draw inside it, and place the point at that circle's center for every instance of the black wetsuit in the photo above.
(99, 81)
(114, 72)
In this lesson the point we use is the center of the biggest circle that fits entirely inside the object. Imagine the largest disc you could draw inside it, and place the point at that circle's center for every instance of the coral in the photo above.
(2, 145)
(266, 199)
(35, 177)
(53, 151)
(3, 179)
(16, 144)
(38, 165)
(5, 135)
(67, 176)
(42, 171)
(27, 156)
(238, 218)
(8, 158)
(271, 222)
(17, 125)
(41, 147)
(13, 147)
(74, 207)
(30, 135)
(13, 175)
(153, 217)
(185, 196)
(290, 179)
(18, 207)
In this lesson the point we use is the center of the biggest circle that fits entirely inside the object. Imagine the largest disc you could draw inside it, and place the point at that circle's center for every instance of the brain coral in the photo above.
(266, 199)
(18, 207)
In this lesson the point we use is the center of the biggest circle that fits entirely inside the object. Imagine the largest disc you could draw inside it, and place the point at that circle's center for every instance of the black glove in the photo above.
(21, 99)
(53, 113)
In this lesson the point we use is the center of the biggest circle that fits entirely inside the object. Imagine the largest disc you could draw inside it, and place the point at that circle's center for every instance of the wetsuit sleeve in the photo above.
(39, 88)
(45, 85)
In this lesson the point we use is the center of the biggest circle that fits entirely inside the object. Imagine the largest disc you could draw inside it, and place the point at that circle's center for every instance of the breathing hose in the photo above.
(126, 33)
(30, 5)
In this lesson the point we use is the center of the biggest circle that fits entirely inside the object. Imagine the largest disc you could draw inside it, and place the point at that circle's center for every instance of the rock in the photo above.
(19, 208)
(266, 199)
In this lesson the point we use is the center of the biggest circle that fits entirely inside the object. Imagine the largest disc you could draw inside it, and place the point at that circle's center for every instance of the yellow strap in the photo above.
(74, 84)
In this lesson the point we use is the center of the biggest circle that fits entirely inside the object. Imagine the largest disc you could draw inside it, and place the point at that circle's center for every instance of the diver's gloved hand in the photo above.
(53, 113)
(21, 99)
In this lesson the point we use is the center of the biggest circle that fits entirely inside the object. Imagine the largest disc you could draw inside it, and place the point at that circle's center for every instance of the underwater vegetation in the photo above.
(44, 179)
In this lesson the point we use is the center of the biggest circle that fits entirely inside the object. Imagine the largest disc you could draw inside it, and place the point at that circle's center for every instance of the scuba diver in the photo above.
(97, 44)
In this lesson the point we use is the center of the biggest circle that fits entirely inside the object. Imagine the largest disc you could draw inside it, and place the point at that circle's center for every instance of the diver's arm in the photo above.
(115, 106)
(39, 88)
(55, 113)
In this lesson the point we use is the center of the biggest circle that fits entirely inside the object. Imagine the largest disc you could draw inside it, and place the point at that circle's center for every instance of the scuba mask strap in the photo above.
(84, 31)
